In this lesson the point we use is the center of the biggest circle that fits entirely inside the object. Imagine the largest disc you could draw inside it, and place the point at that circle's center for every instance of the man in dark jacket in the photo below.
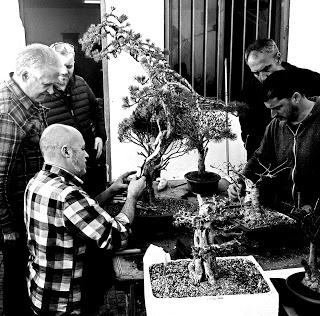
(292, 141)
(263, 58)
(74, 104)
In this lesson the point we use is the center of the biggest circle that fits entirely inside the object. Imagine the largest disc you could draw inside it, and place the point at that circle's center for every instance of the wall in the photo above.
(149, 21)
(303, 50)
(45, 25)
(11, 34)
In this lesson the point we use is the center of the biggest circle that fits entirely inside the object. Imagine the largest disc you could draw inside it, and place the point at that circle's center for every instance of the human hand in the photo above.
(98, 146)
(11, 236)
(236, 190)
(136, 187)
(122, 182)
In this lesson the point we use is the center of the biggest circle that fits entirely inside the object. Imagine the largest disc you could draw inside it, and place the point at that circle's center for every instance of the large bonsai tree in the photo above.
(163, 98)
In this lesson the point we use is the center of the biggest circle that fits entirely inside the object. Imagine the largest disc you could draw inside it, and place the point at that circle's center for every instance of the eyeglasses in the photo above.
(63, 48)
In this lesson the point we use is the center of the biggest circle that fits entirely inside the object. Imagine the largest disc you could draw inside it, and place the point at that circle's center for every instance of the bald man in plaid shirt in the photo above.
(61, 219)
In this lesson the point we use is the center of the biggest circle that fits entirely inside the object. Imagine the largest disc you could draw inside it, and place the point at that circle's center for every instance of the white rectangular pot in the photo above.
(261, 304)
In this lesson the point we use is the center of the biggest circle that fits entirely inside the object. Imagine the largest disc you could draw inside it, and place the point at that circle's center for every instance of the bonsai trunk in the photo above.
(148, 195)
(313, 257)
(201, 160)
(312, 274)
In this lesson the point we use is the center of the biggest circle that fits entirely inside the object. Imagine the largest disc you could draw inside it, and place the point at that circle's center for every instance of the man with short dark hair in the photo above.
(291, 140)
(264, 58)
(22, 120)
(62, 220)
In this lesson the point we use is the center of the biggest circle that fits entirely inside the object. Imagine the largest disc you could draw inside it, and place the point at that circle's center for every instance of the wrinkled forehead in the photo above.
(46, 74)
(67, 59)
(258, 60)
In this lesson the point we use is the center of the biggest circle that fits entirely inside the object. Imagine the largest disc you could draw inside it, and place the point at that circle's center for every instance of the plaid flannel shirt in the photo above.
(21, 124)
(60, 219)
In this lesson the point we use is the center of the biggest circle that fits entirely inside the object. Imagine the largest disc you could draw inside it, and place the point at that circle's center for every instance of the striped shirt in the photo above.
(60, 219)
(21, 124)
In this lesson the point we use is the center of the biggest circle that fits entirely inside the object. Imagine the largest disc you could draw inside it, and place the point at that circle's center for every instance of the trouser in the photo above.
(15, 293)
(95, 179)
(98, 277)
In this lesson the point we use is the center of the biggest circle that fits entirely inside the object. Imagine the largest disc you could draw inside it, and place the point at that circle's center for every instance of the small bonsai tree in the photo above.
(163, 97)
(203, 124)
(310, 222)
(212, 220)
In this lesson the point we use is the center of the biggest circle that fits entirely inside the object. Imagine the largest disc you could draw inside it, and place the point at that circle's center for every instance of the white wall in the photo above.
(149, 21)
(304, 35)
(11, 35)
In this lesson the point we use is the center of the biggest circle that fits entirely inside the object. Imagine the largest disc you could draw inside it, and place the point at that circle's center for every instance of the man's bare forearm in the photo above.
(129, 207)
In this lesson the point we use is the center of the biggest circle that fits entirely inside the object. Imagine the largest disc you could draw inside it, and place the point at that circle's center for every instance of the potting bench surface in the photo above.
(277, 253)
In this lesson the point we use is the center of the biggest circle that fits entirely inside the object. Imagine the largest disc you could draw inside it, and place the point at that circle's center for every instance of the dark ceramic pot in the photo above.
(205, 184)
(305, 296)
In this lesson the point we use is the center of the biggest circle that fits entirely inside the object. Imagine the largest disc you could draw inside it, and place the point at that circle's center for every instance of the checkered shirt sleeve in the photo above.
(10, 140)
(60, 219)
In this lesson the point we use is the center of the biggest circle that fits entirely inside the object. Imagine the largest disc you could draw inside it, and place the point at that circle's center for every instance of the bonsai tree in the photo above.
(212, 220)
(162, 97)
(310, 219)
(204, 124)
(147, 127)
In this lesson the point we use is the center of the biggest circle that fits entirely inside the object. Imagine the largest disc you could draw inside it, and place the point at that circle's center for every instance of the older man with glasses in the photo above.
(22, 120)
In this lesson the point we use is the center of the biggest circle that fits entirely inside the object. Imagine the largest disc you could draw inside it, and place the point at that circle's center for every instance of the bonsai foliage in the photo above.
(165, 103)
(204, 124)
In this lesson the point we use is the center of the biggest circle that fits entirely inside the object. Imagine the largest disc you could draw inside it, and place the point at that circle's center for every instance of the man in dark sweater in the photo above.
(263, 58)
(291, 141)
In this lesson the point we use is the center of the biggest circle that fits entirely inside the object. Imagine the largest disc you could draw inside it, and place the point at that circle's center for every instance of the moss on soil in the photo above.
(235, 276)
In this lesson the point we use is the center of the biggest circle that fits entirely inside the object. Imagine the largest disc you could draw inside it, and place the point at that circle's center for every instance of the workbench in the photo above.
(274, 255)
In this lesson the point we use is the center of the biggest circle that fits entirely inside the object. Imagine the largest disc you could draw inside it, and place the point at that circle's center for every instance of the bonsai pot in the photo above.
(304, 295)
(263, 301)
(204, 184)
(154, 219)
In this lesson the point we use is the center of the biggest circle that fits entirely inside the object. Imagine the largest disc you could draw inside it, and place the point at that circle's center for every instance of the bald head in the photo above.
(54, 137)
(63, 146)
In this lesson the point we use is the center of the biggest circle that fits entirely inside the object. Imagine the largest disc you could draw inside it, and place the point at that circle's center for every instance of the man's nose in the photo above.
(50, 89)
(273, 113)
(63, 71)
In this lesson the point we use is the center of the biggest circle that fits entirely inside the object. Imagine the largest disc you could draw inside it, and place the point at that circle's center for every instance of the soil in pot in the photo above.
(235, 276)
(204, 184)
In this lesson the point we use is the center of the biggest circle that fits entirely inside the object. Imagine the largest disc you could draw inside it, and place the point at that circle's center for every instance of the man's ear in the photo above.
(65, 151)
(296, 97)
(278, 57)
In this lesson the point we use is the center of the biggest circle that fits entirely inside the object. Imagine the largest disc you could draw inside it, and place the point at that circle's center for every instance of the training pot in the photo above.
(204, 184)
